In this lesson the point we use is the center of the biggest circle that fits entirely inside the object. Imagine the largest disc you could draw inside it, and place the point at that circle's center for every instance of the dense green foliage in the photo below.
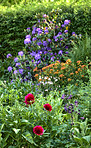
(14, 20)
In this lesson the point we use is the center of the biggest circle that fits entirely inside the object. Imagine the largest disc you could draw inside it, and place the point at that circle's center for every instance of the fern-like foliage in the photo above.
(81, 50)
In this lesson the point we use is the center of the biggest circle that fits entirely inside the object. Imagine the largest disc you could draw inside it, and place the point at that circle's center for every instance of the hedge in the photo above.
(13, 24)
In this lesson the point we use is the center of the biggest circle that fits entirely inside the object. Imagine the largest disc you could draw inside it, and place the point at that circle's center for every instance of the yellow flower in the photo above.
(66, 27)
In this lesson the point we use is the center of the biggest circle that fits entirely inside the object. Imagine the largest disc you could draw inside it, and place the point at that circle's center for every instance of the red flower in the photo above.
(38, 130)
(47, 107)
(29, 99)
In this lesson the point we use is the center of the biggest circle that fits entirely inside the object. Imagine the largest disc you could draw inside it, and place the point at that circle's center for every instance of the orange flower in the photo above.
(57, 62)
(36, 75)
(62, 64)
(76, 84)
(40, 80)
(61, 75)
(76, 72)
(71, 73)
(56, 72)
(79, 69)
(68, 61)
(62, 68)
(78, 62)
(51, 65)
(83, 66)
(35, 69)
(51, 70)
(55, 67)
(69, 79)
(82, 75)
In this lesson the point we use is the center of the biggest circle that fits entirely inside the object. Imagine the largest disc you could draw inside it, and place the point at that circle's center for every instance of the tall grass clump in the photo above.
(81, 50)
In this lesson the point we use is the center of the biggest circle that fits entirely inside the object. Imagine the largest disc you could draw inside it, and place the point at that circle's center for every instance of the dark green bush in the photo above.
(13, 24)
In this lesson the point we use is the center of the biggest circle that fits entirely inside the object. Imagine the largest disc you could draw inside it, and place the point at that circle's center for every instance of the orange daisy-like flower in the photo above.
(51, 65)
(69, 79)
(71, 73)
(62, 68)
(35, 69)
(78, 62)
(83, 66)
(40, 80)
(36, 75)
(56, 72)
(82, 75)
(51, 69)
(76, 72)
(79, 69)
(68, 61)
(57, 62)
(61, 75)
(62, 64)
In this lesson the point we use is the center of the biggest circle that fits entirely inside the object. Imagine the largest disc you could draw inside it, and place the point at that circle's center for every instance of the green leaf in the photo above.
(29, 138)
(16, 130)
(87, 138)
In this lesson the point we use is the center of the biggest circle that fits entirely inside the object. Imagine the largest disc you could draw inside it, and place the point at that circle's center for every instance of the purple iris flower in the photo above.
(51, 54)
(15, 72)
(38, 21)
(65, 108)
(44, 43)
(60, 52)
(33, 31)
(49, 40)
(37, 56)
(33, 53)
(66, 22)
(20, 53)
(63, 96)
(65, 31)
(28, 36)
(40, 32)
(52, 58)
(28, 28)
(9, 55)
(15, 59)
(61, 39)
(34, 39)
(48, 48)
(66, 52)
(76, 103)
(27, 41)
(66, 47)
(46, 31)
(60, 33)
(21, 71)
(10, 68)
(39, 43)
(82, 118)
(70, 96)
(17, 64)
(73, 33)
(62, 25)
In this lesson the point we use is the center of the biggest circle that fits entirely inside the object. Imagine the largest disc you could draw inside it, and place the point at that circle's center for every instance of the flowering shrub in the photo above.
(49, 40)
(61, 74)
